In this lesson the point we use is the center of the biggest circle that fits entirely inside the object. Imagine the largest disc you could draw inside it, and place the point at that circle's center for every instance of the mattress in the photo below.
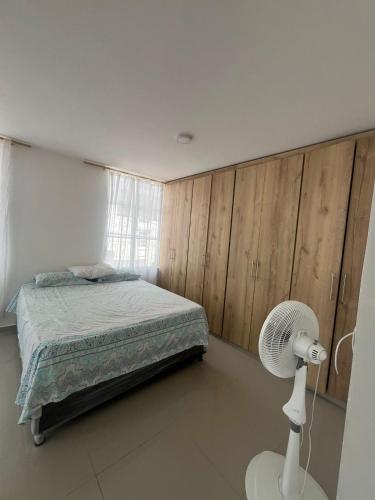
(73, 337)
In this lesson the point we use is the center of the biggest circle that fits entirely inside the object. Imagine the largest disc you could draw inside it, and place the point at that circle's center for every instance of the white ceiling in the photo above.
(115, 80)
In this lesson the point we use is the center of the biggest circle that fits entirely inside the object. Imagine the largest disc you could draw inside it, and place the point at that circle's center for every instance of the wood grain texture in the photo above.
(277, 236)
(180, 235)
(243, 254)
(354, 253)
(217, 252)
(165, 262)
(175, 236)
(320, 238)
(200, 210)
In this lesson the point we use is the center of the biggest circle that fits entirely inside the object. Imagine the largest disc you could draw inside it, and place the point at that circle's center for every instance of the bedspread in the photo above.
(73, 337)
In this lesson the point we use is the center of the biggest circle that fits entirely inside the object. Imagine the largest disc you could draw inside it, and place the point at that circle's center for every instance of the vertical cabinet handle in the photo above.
(332, 281)
(343, 289)
(257, 270)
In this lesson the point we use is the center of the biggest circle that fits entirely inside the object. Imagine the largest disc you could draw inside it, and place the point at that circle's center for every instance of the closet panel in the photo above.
(175, 236)
(165, 261)
(243, 254)
(278, 226)
(320, 237)
(198, 238)
(179, 238)
(354, 252)
(217, 252)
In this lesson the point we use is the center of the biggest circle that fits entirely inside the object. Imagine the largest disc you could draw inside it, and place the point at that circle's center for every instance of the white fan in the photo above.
(287, 342)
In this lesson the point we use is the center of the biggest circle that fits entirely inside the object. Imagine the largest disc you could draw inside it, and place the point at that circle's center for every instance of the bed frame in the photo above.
(55, 414)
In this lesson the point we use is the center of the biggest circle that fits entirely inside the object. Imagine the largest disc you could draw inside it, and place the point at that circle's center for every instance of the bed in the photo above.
(83, 345)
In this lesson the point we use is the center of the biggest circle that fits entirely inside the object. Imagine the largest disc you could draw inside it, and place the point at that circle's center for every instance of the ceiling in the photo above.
(115, 81)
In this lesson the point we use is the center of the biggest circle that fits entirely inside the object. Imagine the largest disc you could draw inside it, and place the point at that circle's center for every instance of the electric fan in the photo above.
(288, 341)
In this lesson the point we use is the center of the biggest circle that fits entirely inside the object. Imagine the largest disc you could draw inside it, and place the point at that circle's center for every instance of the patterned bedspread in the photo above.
(72, 337)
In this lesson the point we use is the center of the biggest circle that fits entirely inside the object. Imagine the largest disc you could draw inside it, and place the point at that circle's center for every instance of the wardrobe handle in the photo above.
(332, 281)
(257, 270)
(343, 289)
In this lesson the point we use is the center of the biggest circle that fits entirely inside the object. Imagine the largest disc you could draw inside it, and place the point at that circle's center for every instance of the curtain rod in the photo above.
(125, 172)
(87, 162)
(16, 142)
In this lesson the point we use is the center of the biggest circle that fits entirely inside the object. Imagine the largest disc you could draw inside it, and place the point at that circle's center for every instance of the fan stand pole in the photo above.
(290, 480)
(271, 476)
(296, 411)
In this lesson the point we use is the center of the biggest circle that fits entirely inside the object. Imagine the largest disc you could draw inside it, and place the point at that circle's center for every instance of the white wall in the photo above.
(357, 471)
(57, 213)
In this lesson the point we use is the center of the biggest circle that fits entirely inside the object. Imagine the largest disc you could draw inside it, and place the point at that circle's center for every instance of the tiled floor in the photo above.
(189, 435)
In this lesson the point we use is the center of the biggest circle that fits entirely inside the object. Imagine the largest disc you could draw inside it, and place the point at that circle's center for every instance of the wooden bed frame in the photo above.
(55, 414)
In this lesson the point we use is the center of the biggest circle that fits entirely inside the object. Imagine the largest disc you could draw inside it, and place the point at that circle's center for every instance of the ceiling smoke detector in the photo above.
(184, 138)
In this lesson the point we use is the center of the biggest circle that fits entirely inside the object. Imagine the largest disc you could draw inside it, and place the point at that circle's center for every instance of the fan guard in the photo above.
(279, 330)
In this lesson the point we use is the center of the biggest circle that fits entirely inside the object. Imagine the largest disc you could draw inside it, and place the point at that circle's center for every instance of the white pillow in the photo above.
(92, 272)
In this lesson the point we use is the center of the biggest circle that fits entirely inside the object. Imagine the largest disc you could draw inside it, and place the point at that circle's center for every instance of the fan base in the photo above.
(262, 479)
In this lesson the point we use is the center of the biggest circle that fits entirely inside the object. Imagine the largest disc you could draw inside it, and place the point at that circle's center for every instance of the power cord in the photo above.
(338, 347)
(309, 432)
(352, 334)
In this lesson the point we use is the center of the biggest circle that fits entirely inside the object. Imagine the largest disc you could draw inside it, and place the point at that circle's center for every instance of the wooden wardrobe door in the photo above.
(198, 238)
(320, 237)
(217, 252)
(277, 237)
(165, 260)
(179, 239)
(243, 254)
(354, 253)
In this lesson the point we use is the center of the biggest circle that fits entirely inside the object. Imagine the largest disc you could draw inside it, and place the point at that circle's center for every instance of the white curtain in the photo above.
(5, 147)
(133, 224)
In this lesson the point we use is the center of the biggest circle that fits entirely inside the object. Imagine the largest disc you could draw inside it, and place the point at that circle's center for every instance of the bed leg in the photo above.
(200, 357)
(38, 437)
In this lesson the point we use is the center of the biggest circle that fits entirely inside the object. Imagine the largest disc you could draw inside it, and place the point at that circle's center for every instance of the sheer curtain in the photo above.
(5, 147)
(133, 224)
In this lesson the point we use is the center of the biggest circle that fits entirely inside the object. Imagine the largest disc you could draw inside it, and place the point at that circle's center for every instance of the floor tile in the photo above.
(118, 428)
(189, 434)
(88, 491)
(168, 467)
(44, 473)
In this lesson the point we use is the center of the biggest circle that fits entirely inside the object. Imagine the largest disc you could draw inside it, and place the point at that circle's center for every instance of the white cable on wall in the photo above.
(339, 344)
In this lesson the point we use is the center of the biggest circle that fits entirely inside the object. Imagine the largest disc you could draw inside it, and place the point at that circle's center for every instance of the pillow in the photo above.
(119, 276)
(58, 279)
(92, 272)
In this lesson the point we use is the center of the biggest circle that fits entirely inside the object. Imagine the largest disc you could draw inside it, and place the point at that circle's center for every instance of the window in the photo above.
(133, 225)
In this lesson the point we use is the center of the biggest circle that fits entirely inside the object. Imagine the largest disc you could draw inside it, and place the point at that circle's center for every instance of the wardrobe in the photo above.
(264, 223)
(242, 239)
